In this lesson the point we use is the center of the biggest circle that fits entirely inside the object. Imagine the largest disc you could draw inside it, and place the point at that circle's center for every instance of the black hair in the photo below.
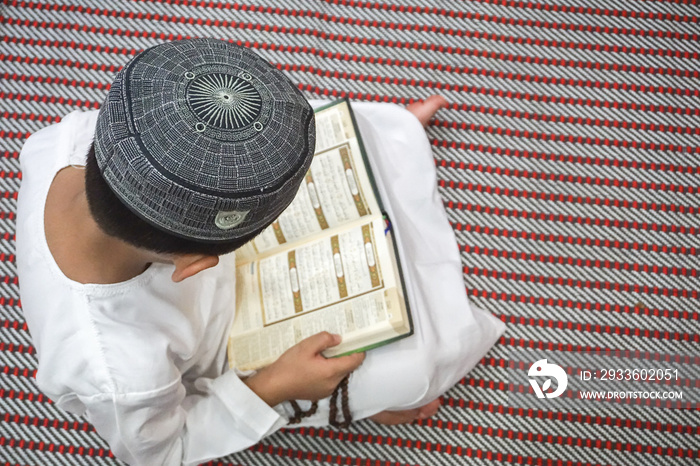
(117, 220)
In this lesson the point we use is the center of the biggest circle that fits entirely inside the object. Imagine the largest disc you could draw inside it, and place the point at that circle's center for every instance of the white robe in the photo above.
(144, 360)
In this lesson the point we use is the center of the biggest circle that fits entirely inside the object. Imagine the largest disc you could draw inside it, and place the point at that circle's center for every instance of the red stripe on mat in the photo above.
(14, 325)
(637, 309)
(4, 301)
(14, 134)
(597, 328)
(47, 423)
(24, 116)
(491, 432)
(568, 198)
(50, 99)
(548, 345)
(322, 457)
(575, 240)
(579, 262)
(577, 159)
(20, 395)
(458, 450)
(15, 348)
(54, 447)
(524, 5)
(460, 15)
(10, 175)
(8, 280)
(579, 179)
(568, 138)
(54, 80)
(592, 284)
(588, 419)
(567, 100)
(17, 372)
(544, 216)
(4, 215)
(569, 120)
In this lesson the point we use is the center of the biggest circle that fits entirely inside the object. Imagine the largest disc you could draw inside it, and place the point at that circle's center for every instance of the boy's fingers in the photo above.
(346, 364)
(321, 341)
(342, 365)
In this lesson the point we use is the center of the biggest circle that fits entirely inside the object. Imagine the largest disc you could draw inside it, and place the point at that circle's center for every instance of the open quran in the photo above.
(327, 263)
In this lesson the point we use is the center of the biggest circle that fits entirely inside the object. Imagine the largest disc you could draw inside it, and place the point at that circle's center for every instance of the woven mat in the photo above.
(567, 160)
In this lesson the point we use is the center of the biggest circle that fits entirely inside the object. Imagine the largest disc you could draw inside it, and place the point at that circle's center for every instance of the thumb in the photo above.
(321, 341)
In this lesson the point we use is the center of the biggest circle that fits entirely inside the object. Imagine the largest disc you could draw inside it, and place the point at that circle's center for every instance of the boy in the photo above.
(126, 279)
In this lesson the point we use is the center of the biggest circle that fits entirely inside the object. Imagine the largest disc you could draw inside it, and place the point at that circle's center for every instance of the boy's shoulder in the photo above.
(70, 137)
(87, 342)
(139, 336)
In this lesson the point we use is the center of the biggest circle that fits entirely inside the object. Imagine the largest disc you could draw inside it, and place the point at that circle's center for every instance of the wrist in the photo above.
(265, 384)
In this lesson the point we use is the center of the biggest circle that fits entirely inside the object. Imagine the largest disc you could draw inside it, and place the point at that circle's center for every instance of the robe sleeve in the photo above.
(166, 427)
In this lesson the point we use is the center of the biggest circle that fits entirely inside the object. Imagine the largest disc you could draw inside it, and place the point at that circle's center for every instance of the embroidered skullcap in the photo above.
(204, 139)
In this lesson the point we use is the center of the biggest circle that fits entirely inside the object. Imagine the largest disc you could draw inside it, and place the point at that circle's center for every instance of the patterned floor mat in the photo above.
(567, 160)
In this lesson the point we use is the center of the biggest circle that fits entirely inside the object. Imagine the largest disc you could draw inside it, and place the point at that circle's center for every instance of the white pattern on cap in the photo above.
(195, 128)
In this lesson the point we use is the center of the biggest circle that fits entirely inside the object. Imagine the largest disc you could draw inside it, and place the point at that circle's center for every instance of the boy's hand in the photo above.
(302, 373)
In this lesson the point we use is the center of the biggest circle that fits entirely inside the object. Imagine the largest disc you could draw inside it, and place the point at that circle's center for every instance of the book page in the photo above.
(357, 320)
(322, 272)
(333, 126)
(344, 284)
(335, 191)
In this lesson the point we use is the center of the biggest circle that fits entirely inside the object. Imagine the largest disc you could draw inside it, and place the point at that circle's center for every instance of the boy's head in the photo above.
(199, 146)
